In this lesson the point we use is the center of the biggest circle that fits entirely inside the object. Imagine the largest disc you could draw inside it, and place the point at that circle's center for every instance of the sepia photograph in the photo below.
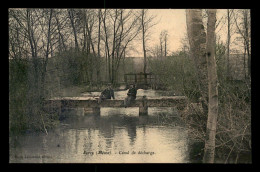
(119, 85)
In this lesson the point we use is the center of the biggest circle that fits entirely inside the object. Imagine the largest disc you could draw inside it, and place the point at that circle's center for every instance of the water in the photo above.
(118, 135)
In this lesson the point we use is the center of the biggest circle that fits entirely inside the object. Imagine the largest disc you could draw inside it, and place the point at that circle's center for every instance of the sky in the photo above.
(173, 20)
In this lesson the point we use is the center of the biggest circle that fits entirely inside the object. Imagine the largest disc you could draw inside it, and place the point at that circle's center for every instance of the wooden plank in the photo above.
(163, 101)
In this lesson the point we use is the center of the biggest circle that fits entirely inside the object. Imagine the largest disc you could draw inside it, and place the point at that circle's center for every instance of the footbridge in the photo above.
(142, 102)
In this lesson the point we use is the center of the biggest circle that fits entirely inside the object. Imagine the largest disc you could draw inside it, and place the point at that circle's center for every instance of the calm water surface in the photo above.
(118, 135)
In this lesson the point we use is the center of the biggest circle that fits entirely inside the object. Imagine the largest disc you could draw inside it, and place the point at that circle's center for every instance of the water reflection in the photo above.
(118, 135)
(76, 139)
(131, 130)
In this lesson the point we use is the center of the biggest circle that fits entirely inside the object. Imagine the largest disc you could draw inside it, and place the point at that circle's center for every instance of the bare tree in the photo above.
(229, 13)
(155, 51)
(163, 42)
(209, 151)
(244, 30)
(60, 26)
(120, 29)
(71, 14)
(106, 37)
(185, 43)
(38, 30)
(98, 45)
(203, 51)
(161, 45)
(18, 46)
(147, 23)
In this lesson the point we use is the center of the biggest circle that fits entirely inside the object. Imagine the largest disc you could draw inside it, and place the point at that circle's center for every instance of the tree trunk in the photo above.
(33, 47)
(44, 70)
(144, 50)
(228, 44)
(209, 150)
(71, 16)
(197, 40)
(113, 48)
(244, 61)
(98, 48)
(161, 49)
(84, 31)
(247, 41)
(60, 35)
(107, 47)
(165, 44)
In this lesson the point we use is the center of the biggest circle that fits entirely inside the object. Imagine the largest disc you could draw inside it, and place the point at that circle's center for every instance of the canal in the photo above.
(118, 135)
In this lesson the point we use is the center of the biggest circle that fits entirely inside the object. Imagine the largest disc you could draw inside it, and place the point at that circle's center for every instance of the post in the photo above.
(182, 109)
(96, 110)
(145, 78)
(143, 110)
(125, 78)
(80, 111)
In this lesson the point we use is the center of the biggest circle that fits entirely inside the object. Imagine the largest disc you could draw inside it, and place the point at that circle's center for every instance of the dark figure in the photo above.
(131, 95)
(106, 94)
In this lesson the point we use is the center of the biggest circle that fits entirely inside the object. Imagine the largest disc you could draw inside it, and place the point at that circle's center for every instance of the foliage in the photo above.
(73, 66)
(234, 118)
(17, 95)
(177, 72)
(25, 105)
(233, 137)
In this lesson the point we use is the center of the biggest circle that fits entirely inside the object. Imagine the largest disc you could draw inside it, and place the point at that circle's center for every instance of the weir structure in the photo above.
(142, 102)
(143, 80)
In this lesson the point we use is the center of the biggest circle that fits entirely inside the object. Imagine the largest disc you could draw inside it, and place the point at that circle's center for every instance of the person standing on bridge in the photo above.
(131, 95)
(106, 94)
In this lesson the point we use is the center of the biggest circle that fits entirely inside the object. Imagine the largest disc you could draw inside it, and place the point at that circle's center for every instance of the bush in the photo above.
(18, 89)
(177, 73)
(25, 103)
(233, 137)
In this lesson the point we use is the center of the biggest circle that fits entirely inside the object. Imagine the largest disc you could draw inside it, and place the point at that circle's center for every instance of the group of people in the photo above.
(108, 93)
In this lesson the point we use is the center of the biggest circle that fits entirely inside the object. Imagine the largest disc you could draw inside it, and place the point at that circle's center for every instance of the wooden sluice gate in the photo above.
(143, 80)
(142, 102)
